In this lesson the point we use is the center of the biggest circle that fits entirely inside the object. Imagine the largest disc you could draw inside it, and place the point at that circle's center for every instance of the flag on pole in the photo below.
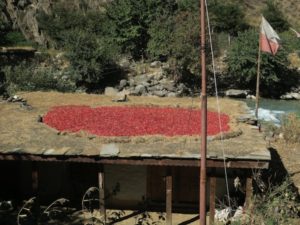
(269, 39)
(297, 34)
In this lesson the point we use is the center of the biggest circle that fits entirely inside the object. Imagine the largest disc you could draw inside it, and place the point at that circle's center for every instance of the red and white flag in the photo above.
(297, 34)
(269, 39)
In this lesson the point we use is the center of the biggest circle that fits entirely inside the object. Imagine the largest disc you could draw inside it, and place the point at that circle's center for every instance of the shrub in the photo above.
(15, 38)
(276, 76)
(290, 127)
(279, 205)
(30, 77)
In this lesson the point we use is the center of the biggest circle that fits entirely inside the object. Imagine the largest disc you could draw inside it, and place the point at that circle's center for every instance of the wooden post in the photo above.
(169, 196)
(257, 81)
(249, 192)
(212, 199)
(35, 191)
(35, 179)
(101, 193)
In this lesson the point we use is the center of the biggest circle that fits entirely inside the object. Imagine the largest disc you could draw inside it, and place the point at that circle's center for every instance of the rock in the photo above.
(235, 93)
(141, 89)
(146, 84)
(291, 96)
(123, 83)
(110, 91)
(23, 14)
(26, 106)
(251, 97)
(121, 99)
(169, 86)
(111, 150)
(155, 64)
(172, 94)
(160, 93)
(131, 82)
(141, 78)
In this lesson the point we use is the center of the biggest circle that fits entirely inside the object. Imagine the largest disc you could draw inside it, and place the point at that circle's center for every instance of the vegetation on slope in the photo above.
(95, 40)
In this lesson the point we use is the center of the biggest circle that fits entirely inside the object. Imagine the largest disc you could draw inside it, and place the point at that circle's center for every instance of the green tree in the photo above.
(276, 76)
(161, 34)
(86, 38)
(227, 17)
(275, 17)
(92, 57)
(131, 20)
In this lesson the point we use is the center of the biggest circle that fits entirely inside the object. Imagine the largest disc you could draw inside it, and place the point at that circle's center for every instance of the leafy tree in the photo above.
(92, 57)
(276, 76)
(188, 5)
(61, 22)
(131, 20)
(161, 34)
(275, 17)
(227, 17)
(86, 38)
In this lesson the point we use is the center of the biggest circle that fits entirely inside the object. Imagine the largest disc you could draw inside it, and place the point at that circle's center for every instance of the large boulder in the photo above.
(235, 93)
(123, 83)
(291, 96)
(140, 89)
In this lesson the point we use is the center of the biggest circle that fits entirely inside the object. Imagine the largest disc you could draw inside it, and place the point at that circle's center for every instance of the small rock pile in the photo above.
(150, 84)
(17, 99)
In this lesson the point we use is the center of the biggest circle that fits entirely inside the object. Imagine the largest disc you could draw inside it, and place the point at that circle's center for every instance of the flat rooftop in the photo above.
(23, 137)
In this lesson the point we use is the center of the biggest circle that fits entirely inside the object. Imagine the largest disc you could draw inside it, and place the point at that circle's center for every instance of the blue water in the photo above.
(273, 110)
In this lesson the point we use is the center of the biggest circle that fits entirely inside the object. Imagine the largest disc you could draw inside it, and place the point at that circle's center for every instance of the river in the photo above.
(273, 110)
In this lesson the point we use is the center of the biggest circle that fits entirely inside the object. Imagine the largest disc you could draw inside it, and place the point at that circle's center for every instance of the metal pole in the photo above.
(202, 196)
(257, 81)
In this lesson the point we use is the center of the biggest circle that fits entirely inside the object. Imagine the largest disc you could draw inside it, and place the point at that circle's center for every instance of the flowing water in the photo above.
(273, 110)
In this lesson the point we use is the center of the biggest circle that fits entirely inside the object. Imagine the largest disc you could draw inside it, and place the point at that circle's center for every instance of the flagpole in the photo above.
(203, 150)
(258, 79)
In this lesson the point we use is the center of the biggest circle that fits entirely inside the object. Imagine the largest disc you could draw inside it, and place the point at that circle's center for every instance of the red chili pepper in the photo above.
(133, 121)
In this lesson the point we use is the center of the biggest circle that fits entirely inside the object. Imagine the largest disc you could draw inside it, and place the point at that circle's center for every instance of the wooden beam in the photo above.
(212, 163)
(169, 196)
(101, 193)
(212, 199)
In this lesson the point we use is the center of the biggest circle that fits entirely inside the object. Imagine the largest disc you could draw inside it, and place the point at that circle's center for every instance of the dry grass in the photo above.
(46, 100)
(253, 8)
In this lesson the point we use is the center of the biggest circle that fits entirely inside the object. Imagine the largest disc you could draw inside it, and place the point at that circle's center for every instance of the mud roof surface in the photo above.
(21, 133)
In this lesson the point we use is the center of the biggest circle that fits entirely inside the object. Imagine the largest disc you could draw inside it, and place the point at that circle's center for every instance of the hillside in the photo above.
(23, 13)
(253, 8)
